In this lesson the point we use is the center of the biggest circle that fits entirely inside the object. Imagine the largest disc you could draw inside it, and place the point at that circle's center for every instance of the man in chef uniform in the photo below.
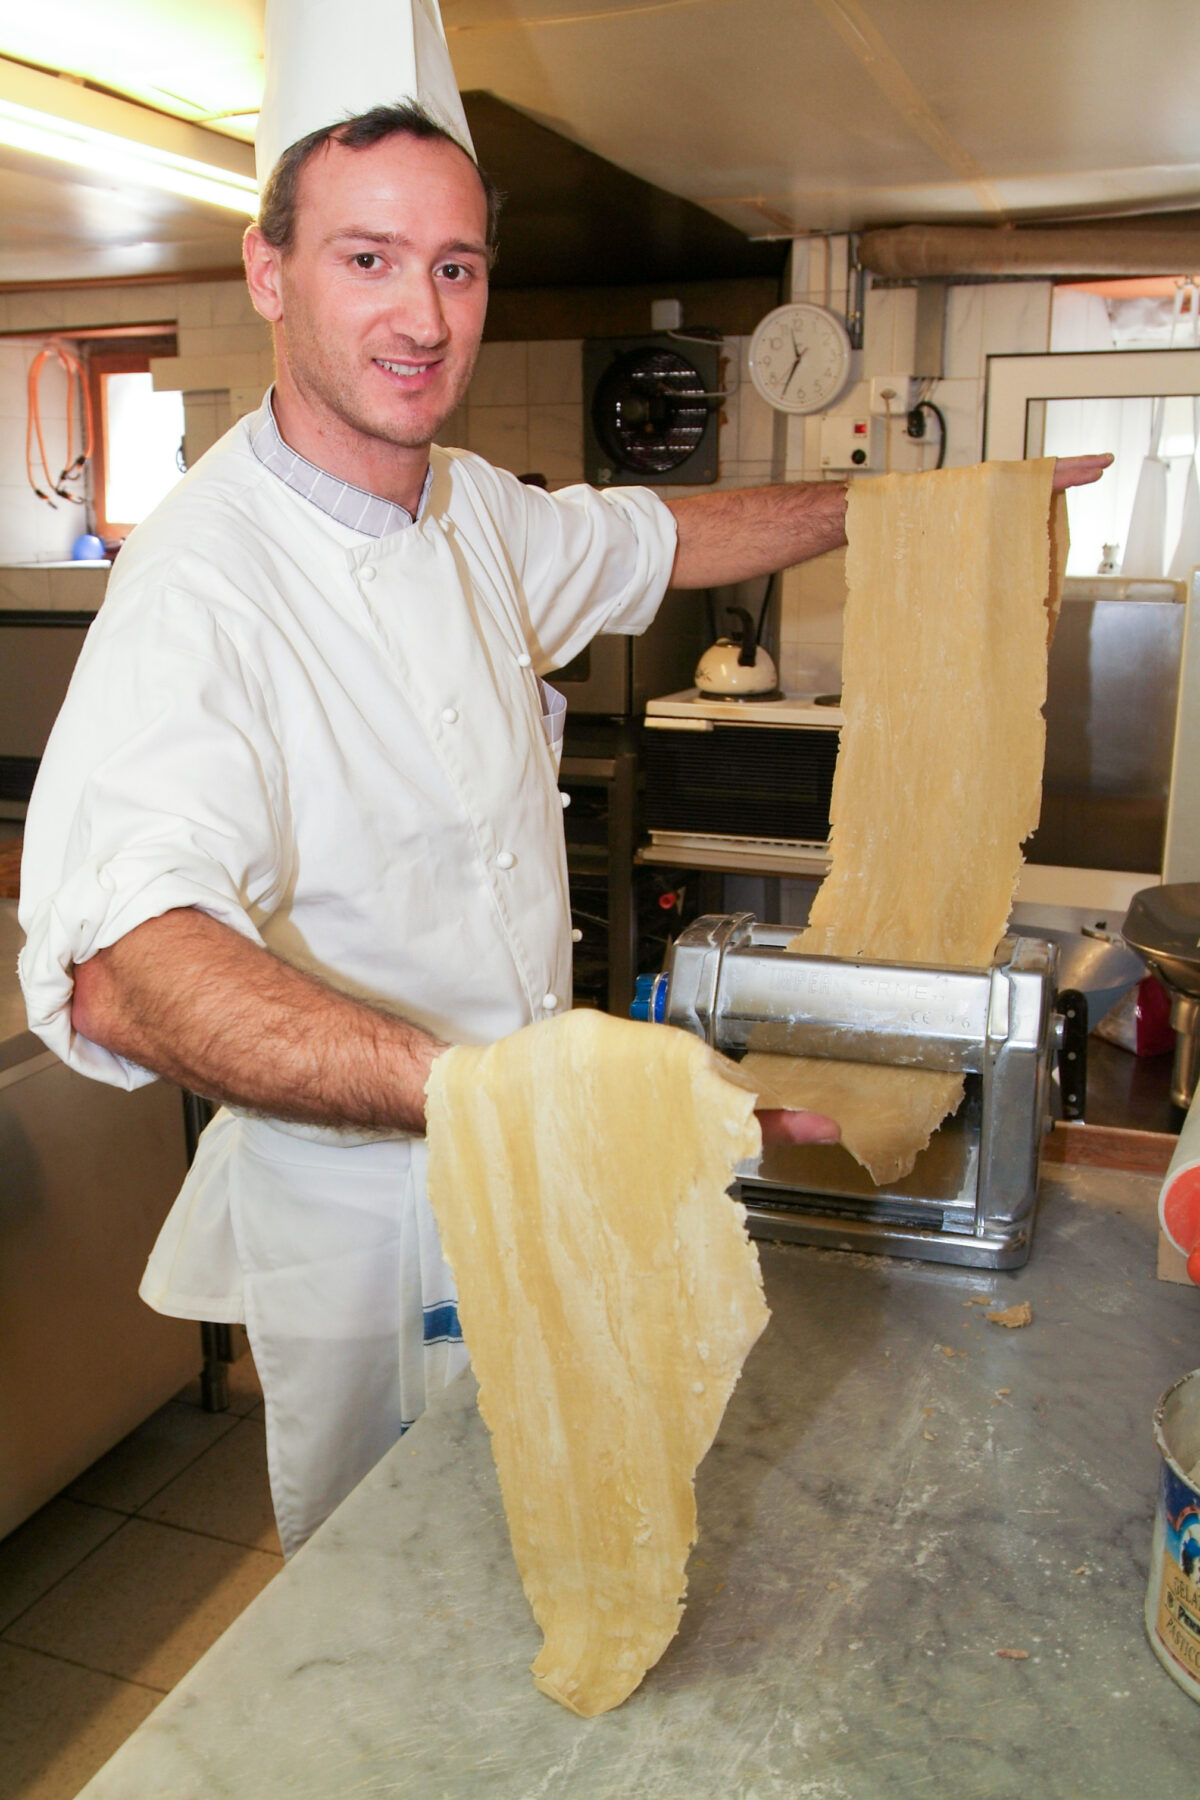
(298, 828)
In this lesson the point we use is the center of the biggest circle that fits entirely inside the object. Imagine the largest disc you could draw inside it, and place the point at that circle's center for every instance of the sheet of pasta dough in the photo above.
(609, 1295)
(953, 582)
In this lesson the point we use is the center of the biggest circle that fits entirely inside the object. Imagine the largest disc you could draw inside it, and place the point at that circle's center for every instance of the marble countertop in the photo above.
(899, 1492)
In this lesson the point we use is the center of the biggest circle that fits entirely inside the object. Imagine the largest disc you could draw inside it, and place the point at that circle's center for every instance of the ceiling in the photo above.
(774, 116)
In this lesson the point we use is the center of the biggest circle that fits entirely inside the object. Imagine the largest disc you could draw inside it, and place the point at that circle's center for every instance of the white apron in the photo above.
(338, 1261)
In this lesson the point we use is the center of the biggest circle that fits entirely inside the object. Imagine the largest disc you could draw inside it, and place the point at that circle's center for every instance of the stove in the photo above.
(740, 781)
(792, 709)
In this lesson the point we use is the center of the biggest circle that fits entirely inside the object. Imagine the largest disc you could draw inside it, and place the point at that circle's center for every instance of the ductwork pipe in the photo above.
(918, 252)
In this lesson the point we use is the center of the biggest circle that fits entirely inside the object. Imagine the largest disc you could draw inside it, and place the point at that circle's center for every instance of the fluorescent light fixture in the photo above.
(141, 165)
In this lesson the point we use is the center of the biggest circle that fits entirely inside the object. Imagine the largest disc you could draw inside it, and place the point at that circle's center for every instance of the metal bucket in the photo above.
(1173, 1593)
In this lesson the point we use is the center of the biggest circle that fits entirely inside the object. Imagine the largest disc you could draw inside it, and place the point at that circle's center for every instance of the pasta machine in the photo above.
(971, 1197)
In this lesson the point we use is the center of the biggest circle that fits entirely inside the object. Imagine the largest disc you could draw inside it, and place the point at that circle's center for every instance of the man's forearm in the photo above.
(188, 998)
(738, 533)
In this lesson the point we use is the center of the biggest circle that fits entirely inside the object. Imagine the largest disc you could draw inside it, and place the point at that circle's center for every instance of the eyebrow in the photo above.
(362, 234)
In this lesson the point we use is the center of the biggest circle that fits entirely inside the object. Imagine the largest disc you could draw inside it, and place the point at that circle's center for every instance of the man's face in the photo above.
(382, 296)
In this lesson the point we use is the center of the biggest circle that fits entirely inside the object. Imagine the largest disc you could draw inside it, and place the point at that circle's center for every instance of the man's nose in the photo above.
(416, 311)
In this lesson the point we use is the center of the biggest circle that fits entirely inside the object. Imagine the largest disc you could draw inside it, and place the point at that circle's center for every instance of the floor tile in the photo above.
(149, 1457)
(147, 1604)
(245, 1389)
(225, 1493)
(59, 1724)
(47, 1547)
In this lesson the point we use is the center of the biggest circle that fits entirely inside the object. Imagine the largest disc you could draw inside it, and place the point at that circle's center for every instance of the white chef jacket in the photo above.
(334, 744)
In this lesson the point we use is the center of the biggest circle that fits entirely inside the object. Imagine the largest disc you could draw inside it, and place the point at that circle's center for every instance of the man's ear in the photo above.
(262, 263)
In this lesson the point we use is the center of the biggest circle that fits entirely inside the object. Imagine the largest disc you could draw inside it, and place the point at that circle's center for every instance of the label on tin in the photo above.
(1179, 1616)
(1178, 1623)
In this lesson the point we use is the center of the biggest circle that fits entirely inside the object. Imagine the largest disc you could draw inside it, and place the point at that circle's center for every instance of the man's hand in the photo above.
(780, 1127)
(1078, 471)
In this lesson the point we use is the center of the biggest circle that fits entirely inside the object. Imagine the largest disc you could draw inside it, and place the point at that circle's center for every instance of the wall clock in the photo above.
(800, 357)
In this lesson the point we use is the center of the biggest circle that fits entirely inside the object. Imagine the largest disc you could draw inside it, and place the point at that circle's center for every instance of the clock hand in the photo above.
(787, 384)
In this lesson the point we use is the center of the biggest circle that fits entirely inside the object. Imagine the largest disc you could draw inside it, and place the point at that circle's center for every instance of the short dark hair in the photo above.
(277, 211)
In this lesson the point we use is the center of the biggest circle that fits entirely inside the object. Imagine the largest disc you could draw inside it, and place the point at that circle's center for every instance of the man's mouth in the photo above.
(404, 368)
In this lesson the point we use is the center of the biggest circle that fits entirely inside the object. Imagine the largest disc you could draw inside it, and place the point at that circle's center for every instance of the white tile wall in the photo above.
(963, 358)
(754, 432)
(207, 416)
(251, 336)
(999, 318)
(454, 432)
(195, 304)
(501, 376)
(889, 335)
(1016, 317)
(216, 369)
(12, 458)
(231, 304)
(555, 443)
(501, 434)
(147, 305)
(746, 474)
(555, 372)
(961, 401)
(14, 371)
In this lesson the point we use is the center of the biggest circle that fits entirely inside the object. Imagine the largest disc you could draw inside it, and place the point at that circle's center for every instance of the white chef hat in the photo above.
(328, 60)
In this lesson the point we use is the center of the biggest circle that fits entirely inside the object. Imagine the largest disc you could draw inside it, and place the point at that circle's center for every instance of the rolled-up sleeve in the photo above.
(161, 787)
(583, 561)
(596, 562)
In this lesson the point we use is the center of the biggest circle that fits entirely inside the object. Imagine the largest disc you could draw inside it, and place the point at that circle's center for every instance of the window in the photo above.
(138, 453)
(1084, 400)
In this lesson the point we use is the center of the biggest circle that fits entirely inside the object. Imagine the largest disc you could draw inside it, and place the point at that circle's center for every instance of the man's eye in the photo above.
(366, 259)
(455, 271)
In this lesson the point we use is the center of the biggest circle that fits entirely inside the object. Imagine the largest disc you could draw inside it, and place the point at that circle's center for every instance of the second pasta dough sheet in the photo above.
(953, 582)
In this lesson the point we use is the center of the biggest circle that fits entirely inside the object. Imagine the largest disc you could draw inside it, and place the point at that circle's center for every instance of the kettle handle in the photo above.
(748, 638)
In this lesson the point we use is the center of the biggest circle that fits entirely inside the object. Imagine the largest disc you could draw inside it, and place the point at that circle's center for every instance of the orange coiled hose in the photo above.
(74, 466)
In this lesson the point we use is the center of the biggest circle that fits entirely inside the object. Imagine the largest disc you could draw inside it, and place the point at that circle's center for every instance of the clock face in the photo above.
(800, 358)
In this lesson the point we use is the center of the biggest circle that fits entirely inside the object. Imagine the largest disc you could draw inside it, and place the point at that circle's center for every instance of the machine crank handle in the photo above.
(1072, 1036)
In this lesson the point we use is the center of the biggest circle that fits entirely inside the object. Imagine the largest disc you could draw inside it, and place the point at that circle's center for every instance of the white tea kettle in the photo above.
(737, 667)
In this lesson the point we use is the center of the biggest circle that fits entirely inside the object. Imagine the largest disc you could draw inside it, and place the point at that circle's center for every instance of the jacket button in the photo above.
(565, 798)
(366, 573)
(506, 860)
(449, 715)
(550, 1003)
(576, 935)
(525, 661)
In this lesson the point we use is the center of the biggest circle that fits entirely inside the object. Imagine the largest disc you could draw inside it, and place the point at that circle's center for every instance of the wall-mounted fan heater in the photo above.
(650, 410)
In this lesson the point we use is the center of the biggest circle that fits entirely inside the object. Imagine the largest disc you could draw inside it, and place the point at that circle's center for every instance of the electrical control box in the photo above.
(850, 441)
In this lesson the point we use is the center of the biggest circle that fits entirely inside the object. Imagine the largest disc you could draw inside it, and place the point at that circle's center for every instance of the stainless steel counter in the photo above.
(900, 1493)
